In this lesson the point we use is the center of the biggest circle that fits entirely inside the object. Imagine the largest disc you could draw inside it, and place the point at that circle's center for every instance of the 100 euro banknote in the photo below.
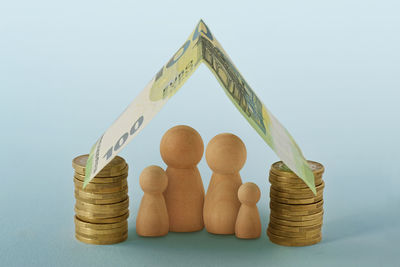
(201, 46)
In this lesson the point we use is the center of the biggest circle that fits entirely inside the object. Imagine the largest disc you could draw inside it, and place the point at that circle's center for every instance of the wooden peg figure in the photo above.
(152, 218)
(248, 224)
(225, 155)
(181, 149)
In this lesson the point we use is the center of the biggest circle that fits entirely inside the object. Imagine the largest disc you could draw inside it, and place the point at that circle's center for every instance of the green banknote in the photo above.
(201, 46)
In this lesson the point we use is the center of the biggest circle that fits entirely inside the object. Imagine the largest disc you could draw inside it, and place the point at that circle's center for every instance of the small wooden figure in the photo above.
(225, 155)
(248, 224)
(152, 218)
(181, 149)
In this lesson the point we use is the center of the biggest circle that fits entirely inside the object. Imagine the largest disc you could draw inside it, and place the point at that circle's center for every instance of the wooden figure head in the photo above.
(153, 179)
(181, 147)
(249, 193)
(226, 153)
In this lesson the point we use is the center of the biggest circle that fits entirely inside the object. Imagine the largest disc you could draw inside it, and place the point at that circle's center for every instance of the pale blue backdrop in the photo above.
(329, 70)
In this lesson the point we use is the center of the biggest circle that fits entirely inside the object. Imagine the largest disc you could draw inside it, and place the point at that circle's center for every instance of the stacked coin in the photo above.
(102, 207)
(296, 213)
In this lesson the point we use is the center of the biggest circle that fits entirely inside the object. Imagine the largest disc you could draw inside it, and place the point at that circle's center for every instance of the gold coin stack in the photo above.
(102, 207)
(296, 213)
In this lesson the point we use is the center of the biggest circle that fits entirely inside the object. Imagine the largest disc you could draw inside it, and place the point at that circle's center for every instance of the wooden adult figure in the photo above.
(152, 218)
(248, 224)
(225, 155)
(181, 149)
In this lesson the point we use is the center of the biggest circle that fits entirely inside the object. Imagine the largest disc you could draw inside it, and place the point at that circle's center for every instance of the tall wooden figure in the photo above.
(225, 155)
(152, 218)
(248, 224)
(182, 149)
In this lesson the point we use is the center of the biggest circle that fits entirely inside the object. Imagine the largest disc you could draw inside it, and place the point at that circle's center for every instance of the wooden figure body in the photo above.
(181, 149)
(248, 224)
(225, 155)
(152, 218)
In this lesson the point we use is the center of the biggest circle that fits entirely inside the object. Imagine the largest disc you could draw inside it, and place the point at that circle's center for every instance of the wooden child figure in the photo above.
(248, 224)
(152, 217)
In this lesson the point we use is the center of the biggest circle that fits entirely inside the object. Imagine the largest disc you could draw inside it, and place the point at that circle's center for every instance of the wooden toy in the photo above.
(225, 155)
(152, 218)
(181, 149)
(248, 224)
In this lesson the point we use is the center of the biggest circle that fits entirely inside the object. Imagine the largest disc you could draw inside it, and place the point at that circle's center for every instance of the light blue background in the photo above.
(329, 70)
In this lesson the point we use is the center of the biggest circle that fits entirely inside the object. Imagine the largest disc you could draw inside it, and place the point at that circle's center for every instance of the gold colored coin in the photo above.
(100, 196)
(295, 201)
(281, 169)
(102, 180)
(295, 213)
(101, 232)
(101, 236)
(99, 226)
(103, 241)
(110, 173)
(113, 168)
(96, 217)
(294, 218)
(314, 222)
(318, 188)
(290, 186)
(101, 201)
(303, 234)
(103, 220)
(106, 213)
(293, 242)
(295, 195)
(300, 207)
(294, 229)
(106, 174)
(106, 208)
(99, 188)
(292, 180)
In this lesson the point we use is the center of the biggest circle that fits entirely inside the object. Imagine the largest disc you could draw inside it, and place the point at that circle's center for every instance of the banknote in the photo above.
(200, 47)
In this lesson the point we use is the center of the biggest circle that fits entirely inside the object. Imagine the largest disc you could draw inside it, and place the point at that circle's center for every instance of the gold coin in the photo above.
(294, 229)
(294, 218)
(289, 185)
(303, 234)
(291, 180)
(102, 201)
(99, 217)
(300, 207)
(113, 168)
(295, 201)
(104, 207)
(107, 175)
(101, 232)
(106, 213)
(103, 220)
(314, 222)
(101, 236)
(284, 212)
(102, 180)
(281, 169)
(97, 196)
(91, 186)
(294, 242)
(103, 241)
(295, 195)
(99, 226)
(99, 188)
(318, 188)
